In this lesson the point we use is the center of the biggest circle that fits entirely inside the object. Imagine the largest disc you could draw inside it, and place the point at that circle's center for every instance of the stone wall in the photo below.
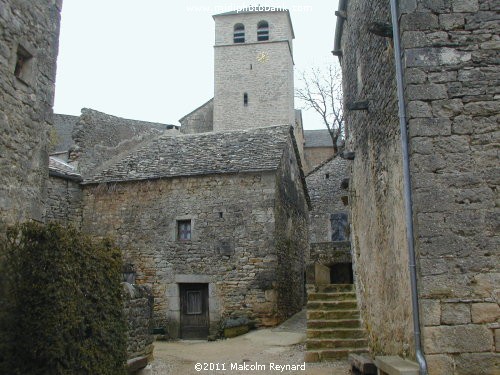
(315, 156)
(28, 52)
(452, 78)
(62, 134)
(99, 137)
(325, 190)
(233, 245)
(64, 200)
(138, 310)
(329, 253)
(292, 247)
(378, 237)
(451, 94)
(201, 120)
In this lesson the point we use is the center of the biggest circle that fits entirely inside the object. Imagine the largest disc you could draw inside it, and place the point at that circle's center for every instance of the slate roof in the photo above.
(60, 168)
(317, 138)
(166, 156)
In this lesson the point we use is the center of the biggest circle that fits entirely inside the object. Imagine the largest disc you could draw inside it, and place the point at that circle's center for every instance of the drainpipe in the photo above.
(407, 188)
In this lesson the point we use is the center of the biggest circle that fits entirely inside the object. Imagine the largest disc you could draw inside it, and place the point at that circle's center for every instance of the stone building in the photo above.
(329, 223)
(213, 217)
(318, 148)
(216, 216)
(28, 52)
(450, 72)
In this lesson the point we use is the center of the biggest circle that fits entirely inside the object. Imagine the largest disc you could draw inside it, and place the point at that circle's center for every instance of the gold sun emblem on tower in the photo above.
(262, 57)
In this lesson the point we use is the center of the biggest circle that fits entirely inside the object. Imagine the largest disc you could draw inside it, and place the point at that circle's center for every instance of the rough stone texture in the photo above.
(201, 120)
(317, 148)
(249, 236)
(329, 253)
(263, 70)
(138, 310)
(63, 131)
(451, 75)
(485, 312)
(99, 137)
(380, 259)
(324, 184)
(64, 197)
(455, 313)
(198, 154)
(477, 364)
(26, 105)
(458, 339)
(455, 174)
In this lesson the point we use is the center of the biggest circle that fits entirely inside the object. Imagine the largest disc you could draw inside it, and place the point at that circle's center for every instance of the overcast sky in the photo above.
(152, 60)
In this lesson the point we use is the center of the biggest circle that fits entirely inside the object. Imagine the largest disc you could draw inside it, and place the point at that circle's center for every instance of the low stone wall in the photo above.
(138, 310)
(328, 253)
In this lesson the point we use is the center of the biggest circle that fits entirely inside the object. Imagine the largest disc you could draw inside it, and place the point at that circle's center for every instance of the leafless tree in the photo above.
(321, 90)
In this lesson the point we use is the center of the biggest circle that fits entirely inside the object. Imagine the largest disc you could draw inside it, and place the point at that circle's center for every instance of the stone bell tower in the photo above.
(253, 69)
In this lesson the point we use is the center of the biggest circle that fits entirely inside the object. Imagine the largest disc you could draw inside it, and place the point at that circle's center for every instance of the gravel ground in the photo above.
(170, 364)
(281, 346)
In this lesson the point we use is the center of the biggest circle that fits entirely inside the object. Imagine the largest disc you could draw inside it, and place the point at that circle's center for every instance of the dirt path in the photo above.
(265, 351)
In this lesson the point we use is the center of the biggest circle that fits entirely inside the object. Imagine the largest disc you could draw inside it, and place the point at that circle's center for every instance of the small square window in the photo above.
(184, 230)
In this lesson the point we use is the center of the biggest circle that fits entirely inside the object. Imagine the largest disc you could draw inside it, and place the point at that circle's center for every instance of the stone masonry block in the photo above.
(485, 312)
(465, 6)
(447, 108)
(430, 91)
(407, 6)
(477, 364)
(436, 56)
(418, 108)
(451, 21)
(419, 21)
(453, 339)
(455, 313)
(439, 364)
(429, 127)
(431, 312)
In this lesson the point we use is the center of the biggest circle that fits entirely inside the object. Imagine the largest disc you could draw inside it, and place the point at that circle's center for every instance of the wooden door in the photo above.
(194, 311)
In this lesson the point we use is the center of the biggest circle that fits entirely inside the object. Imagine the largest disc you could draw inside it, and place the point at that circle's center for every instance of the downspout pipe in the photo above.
(407, 188)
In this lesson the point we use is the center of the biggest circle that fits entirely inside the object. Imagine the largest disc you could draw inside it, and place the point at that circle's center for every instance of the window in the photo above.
(262, 31)
(239, 33)
(339, 226)
(24, 62)
(184, 230)
(194, 302)
(245, 99)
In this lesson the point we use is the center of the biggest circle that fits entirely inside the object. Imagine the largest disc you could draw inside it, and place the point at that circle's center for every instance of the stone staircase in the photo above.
(333, 324)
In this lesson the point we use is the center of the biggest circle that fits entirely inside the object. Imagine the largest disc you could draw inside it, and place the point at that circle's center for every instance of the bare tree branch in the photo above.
(322, 91)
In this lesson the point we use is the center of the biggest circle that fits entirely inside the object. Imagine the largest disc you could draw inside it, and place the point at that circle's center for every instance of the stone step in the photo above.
(331, 354)
(332, 314)
(337, 296)
(316, 344)
(335, 333)
(336, 323)
(332, 305)
(332, 288)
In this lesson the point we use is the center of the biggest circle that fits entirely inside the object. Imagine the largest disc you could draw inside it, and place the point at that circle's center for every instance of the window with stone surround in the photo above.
(339, 226)
(239, 33)
(184, 230)
(23, 68)
(262, 31)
